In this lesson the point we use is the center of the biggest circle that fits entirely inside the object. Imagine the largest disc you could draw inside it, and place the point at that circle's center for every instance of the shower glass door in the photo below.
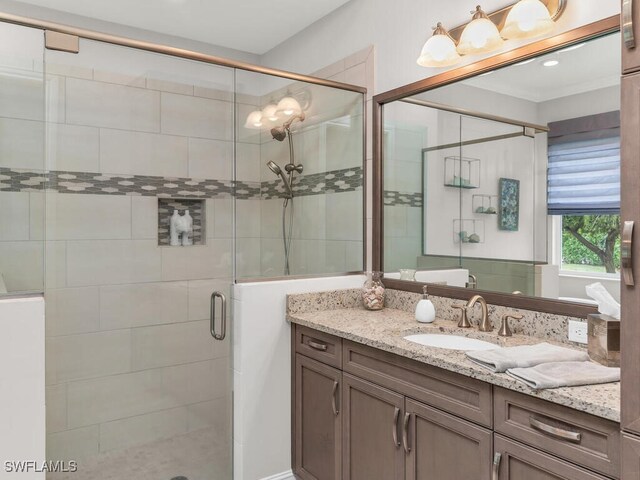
(137, 387)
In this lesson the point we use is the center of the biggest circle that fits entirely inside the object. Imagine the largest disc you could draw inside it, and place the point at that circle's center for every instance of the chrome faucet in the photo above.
(485, 324)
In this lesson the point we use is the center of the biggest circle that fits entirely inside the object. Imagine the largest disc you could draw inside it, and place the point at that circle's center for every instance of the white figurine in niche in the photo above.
(180, 229)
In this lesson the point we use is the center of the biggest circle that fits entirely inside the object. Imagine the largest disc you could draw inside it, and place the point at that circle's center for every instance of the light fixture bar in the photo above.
(555, 7)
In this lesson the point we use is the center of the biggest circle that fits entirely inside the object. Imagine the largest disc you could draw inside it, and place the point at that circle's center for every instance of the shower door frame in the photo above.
(86, 34)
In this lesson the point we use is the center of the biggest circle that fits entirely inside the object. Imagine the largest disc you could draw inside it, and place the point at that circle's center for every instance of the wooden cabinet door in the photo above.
(445, 447)
(630, 56)
(630, 457)
(521, 462)
(317, 421)
(630, 295)
(372, 431)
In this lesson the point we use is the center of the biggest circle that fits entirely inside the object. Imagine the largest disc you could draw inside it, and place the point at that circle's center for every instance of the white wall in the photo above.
(22, 403)
(262, 373)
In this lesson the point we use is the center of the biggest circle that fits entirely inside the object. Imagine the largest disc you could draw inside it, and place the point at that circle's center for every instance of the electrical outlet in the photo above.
(578, 331)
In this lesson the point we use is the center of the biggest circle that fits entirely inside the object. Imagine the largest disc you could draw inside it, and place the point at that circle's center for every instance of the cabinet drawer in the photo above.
(521, 462)
(318, 345)
(630, 457)
(579, 437)
(457, 394)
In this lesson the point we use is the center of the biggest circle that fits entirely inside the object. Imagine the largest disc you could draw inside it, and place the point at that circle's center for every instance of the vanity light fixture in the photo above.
(254, 120)
(270, 112)
(439, 50)
(487, 32)
(527, 18)
(289, 106)
(480, 35)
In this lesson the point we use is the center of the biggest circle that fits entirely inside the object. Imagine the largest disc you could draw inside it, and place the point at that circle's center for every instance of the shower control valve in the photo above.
(290, 167)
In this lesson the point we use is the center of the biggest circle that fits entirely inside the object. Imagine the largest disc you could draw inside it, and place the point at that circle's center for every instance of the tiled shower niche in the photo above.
(196, 208)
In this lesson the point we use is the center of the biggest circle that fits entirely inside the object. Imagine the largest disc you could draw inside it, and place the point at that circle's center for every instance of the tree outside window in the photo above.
(591, 243)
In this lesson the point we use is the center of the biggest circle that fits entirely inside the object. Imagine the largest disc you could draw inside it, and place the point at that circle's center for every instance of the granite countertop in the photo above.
(386, 328)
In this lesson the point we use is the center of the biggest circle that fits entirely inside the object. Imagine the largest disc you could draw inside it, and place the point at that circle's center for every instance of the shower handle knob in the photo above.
(290, 167)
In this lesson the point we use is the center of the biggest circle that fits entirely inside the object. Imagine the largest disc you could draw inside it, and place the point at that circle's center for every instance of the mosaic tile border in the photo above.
(333, 181)
(409, 199)
(18, 180)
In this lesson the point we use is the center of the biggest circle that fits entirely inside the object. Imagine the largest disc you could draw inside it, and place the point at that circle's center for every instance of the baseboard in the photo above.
(288, 475)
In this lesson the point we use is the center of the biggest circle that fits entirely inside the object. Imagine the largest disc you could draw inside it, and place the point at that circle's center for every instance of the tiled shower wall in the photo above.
(129, 359)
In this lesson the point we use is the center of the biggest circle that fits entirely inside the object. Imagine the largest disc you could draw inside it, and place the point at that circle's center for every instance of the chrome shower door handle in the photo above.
(627, 24)
(626, 253)
(212, 316)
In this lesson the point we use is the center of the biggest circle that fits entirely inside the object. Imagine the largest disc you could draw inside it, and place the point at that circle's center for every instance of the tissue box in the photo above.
(604, 340)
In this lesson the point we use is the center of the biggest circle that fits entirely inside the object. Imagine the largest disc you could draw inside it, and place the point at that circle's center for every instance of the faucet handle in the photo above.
(505, 331)
(464, 321)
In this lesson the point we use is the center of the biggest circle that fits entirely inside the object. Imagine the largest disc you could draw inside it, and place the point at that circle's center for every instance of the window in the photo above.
(591, 243)
(583, 188)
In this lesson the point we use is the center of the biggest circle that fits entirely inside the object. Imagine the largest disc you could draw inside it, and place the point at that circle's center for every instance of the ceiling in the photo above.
(595, 65)
(254, 26)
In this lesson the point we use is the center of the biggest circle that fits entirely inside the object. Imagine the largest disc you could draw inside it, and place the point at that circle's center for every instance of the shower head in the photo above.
(274, 167)
(278, 171)
(279, 133)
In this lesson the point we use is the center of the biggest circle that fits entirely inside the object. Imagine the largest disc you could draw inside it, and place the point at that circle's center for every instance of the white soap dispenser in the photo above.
(425, 311)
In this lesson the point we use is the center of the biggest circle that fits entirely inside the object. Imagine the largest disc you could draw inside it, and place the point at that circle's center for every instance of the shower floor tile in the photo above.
(199, 455)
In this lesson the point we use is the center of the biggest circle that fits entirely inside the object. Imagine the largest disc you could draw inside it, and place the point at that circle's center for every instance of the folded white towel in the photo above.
(502, 359)
(565, 374)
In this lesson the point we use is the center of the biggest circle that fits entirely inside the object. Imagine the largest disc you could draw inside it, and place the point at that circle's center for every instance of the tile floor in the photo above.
(199, 455)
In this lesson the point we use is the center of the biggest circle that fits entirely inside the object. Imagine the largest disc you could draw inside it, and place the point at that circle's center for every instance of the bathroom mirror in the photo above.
(503, 176)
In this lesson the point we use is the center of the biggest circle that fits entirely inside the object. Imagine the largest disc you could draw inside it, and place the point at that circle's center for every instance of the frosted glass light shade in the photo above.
(289, 106)
(270, 112)
(254, 120)
(439, 50)
(527, 18)
(480, 35)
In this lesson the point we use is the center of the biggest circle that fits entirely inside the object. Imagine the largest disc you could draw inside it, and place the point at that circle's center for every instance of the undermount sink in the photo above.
(451, 342)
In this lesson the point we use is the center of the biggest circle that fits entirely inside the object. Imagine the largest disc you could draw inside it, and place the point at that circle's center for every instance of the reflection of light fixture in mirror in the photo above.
(270, 112)
(439, 50)
(254, 120)
(524, 62)
(480, 35)
(572, 47)
(289, 106)
(526, 19)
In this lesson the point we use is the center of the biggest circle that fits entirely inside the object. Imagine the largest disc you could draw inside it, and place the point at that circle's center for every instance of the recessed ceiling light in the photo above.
(550, 63)
(572, 47)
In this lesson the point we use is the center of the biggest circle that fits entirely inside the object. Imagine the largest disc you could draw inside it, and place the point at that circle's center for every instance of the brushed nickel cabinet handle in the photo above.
(626, 253)
(405, 433)
(334, 401)
(396, 417)
(627, 24)
(555, 431)
(223, 314)
(317, 345)
(495, 471)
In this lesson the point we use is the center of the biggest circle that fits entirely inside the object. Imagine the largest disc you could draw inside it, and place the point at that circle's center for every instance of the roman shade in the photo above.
(583, 173)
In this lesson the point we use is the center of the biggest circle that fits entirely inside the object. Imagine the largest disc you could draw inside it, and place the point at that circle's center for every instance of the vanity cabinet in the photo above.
(521, 462)
(373, 415)
(442, 446)
(371, 431)
(318, 432)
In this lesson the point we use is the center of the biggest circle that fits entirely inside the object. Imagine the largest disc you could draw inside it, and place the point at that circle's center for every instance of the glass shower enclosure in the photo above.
(135, 192)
